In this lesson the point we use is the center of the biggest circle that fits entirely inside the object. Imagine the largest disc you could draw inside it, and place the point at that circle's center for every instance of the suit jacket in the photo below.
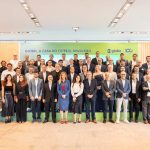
(92, 67)
(144, 93)
(144, 67)
(41, 76)
(94, 61)
(127, 70)
(50, 94)
(15, 79)
(138, 89)
(120, 89)
(69, 77)
(118, 63)
(32, 87)
(111, 89)
(90, 89)
(114, 68)
(75, 68)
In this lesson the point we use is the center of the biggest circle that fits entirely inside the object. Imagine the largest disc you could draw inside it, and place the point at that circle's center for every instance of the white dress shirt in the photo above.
(44, 76)
(77, 88)
(6, 72)
(36, 83)
(133, 87)
(123, 82)
(14, 63)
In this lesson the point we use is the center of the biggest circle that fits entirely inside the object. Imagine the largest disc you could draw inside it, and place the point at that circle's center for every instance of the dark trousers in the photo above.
(50, 105)
(99, 101)
(36, 107)
(146, 109)
(134, 105)
(107, 103)
(21, 113)
(90, 103)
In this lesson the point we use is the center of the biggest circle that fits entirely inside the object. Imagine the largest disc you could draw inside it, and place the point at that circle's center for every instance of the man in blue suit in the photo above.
(123, 88)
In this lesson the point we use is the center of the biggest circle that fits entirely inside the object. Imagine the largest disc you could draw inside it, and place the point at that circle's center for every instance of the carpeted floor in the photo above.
(49, 136)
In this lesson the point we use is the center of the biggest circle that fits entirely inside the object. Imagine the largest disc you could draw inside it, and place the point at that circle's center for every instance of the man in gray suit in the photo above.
(123, 88)
(35, 92)
(146, 100)
(108, 88)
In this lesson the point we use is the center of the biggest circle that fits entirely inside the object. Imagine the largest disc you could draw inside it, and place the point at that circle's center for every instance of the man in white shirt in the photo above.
(134, 98)
(123, 88)
(14, 61)
(65, 61)
(8, 71)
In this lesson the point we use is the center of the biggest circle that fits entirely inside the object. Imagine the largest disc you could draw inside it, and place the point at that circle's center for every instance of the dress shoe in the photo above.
(149, 121)
(39, 120)
(74, 122)
(136, 120)
(87, 121)
(6, 121)
(79, 121)
(34, 120)
(145, 122)
(130, 120)
(54, 121)
(45, 121)
(104, 121)
(111, 121)
(94, 121)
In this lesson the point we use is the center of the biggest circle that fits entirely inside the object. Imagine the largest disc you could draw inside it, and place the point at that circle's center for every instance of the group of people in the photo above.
(77, 85)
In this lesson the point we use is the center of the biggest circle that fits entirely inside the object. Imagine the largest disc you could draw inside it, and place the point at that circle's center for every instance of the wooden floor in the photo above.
(82, 136)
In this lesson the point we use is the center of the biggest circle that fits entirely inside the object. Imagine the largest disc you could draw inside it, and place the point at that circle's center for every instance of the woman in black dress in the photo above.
(8, 90)
(21, 97)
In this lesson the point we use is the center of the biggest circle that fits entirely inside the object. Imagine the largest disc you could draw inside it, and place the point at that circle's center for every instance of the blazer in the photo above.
(69, 77)
(138, 89)
(95, 62)
(111, 89)
(32, 87)
(41, 76)
(121, 90)
(50, 94)
(114, 68)
(76, 68)
(90, 89)
(92, 67)
(144, 93)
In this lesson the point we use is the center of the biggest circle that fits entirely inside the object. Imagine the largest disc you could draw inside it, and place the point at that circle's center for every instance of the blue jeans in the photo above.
(36, 107)
(90, 103)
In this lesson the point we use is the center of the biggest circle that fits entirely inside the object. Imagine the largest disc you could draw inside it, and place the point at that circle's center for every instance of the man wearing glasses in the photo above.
(123, 88)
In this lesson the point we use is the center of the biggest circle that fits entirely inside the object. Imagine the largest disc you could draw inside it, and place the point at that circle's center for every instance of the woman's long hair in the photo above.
(74, 81)
(24, 82)
(60, 78)
(6, 80)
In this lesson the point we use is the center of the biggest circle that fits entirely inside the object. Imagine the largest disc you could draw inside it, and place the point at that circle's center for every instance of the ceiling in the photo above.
(57, 17)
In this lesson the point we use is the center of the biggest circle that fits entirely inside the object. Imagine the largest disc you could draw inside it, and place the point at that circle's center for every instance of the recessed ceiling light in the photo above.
(25, 6)
(75, 28)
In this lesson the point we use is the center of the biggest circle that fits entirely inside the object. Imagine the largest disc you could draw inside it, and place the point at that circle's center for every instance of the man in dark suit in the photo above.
(101, 66)
(90, 66)
(133, 62)
(16, 76)
(95, 60)
(147, 64)
(111, 62)
(146, 100)
(62, 68)
(26, 62)
(51, 57)
(123, 88)
(140, 76)
(90, 90)
(76, 60)
(37, 63)
(134, 98)
(121, 59)
(50, 98)
(44, 74)
(71, 63)
(108, 88)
